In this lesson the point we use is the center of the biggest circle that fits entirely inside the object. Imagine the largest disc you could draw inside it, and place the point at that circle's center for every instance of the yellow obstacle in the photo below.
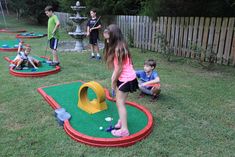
(96, 105)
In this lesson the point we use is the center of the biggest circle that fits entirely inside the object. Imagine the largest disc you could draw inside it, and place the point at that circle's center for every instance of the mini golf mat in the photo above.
(30, 35)
(43, 70)
(9, 45)
(12, 30)
(84, 127)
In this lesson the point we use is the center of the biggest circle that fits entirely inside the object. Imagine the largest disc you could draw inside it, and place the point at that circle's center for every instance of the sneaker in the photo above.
(25, 68)
(54, 63)
(48, 61)
(120, 133)
(141, 95)
(118, 125)
(92, 57)
(12, 65)
(154, 98)
(98, 58)
(18, 68)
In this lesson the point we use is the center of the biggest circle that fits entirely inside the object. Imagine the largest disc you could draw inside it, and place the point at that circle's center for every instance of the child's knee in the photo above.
(36, 62)
(142, 88)
(20, 61)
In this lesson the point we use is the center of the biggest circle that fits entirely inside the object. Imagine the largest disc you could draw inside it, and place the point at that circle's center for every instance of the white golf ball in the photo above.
(108, 119)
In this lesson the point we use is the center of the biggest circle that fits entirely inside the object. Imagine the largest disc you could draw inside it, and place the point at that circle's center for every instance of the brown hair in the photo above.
(93, 9)
(150, 62)
(48, 8)
(116, 45)
(27, 47)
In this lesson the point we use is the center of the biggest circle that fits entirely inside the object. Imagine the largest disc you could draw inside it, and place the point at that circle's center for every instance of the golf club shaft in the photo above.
(96, 22)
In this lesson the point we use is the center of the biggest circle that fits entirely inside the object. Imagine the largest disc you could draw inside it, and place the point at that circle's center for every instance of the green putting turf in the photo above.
(66, 95)
(44, 66)
(9, 43)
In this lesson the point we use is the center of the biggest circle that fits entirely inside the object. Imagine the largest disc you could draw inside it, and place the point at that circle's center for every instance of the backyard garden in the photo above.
(194, 115)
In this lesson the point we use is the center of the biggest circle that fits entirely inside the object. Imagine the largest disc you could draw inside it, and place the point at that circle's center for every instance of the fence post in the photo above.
(222, 40)
(228, 41)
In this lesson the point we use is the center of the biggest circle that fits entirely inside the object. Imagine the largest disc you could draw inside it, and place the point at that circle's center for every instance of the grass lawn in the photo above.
(195, 115)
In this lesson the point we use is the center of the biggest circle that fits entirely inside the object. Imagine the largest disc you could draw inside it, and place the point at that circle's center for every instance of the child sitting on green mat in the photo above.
(149, 81)
(23, 59)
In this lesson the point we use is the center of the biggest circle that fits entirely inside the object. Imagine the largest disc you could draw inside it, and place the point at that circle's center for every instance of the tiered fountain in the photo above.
(78, 45)
(78, 34)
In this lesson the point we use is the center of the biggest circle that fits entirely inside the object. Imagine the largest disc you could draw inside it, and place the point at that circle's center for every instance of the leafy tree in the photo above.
(105, 7)
(156, 8)
(65, 5)
(32, 9)
(119, 7)
(17, 6)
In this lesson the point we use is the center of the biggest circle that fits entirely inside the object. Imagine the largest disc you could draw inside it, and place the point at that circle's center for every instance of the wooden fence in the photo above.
(181, 33)
(216, 34)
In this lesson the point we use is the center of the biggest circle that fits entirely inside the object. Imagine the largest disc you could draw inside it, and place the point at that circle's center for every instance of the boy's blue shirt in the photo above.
(141, 74)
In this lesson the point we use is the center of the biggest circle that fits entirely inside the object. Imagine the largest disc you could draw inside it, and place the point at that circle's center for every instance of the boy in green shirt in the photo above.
(53, 33)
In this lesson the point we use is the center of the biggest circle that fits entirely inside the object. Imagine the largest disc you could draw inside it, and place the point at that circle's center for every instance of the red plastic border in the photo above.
(104, 142)
(9, 49)
(32, 74)
(12, 31)
(29, 37)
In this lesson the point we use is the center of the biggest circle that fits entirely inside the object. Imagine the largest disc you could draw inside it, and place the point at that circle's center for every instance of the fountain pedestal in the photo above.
(78, 34)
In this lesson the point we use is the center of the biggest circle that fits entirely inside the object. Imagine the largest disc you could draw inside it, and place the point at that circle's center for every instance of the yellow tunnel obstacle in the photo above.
(96, 105)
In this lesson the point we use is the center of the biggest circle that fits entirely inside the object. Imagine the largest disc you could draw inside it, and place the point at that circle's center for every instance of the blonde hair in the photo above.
(27, 48)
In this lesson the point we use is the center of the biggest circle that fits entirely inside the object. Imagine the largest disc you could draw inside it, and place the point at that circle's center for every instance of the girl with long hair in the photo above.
(117, 57)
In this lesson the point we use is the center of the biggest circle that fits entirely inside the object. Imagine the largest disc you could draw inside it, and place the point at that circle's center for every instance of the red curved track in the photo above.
(8, 49)
(29, 37)
(32, 74)
(12, 31)
(104, 142)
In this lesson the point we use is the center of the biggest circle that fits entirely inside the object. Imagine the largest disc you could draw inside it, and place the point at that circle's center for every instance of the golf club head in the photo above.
(113, 93)
(33, 69)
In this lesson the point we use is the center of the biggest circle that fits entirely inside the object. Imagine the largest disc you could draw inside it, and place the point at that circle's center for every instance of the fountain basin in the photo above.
(78, 20)
(75, 8)
(77, 35)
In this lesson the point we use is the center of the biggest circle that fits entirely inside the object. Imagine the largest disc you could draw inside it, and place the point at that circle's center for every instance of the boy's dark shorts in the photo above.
(53, 43)
(130, 86)
(93, 38)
